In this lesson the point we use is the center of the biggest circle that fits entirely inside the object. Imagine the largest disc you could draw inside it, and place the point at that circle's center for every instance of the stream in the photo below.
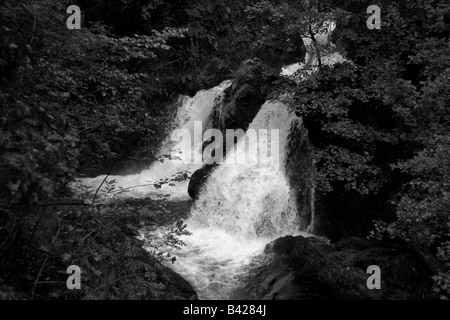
(241, 207)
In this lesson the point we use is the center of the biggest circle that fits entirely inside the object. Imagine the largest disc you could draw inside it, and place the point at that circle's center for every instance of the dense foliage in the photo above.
(379, 124)
(72, 99)
(77, 99)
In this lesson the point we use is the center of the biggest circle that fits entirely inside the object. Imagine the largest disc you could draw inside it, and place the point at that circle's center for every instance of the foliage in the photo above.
(379, 123)
(101, 240)
(74, 99)
(71, 97)
(295, 19)
(442, 285)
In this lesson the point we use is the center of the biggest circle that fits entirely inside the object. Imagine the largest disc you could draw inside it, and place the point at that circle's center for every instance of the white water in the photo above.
(213, 259)
(252, 200)
(240, 209)
(311, 62)
(197, 108)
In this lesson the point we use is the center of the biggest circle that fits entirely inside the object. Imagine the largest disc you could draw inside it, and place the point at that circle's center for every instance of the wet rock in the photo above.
(300, 172)
(283, 246)
(246, 94)
(243, 107)
(198, 179)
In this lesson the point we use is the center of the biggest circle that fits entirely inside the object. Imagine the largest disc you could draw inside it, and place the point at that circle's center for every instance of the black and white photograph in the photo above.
(241, 151)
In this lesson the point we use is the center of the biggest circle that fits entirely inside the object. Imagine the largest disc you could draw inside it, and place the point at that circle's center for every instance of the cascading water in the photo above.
(311, 62)
(240, 209)
(252, 200)
(197, 108)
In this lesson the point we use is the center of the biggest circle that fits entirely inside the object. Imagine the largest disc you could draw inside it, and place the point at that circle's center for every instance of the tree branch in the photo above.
(106, 177)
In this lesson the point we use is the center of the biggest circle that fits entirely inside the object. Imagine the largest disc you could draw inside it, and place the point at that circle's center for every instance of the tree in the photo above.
(379, 126)
(308, 20)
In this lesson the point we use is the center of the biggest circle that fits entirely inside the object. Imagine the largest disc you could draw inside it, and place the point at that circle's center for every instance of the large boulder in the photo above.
(248, 91)
(243, 107)
(198, 179)
(313, 268)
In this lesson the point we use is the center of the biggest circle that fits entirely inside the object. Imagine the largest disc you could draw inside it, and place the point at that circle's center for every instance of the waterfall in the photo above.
(240, 209)
(330, 56)
(252, 200)
(190, 110)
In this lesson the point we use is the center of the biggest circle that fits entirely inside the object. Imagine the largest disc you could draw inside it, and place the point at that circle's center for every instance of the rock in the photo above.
(248, 91)
(254, 72)
(177, 288)
(198, 179)
(300, 247)
(312, 268)
(243, 107)
(300, 171)
(283, 246)
(268, 248)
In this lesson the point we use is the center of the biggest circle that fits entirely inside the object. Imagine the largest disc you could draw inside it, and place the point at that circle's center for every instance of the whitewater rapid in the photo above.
(240, 209)
(170, 175)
